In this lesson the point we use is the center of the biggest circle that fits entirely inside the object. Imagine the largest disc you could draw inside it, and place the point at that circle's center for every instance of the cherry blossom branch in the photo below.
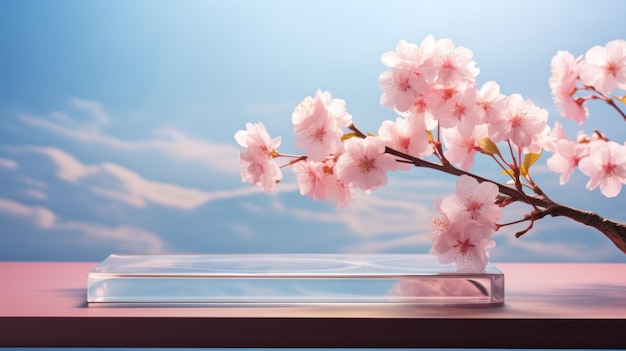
(512, 192)
(294, 161)
(615, 231)
(438, 78)
(609, 101)
(614, 105)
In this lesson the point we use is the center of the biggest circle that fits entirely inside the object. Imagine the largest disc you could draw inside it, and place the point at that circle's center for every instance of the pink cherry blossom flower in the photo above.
(574, 109)
(265, 173)
(473, 201)
(317, 124)
(519, 123)
(465, 243)
(565, 70)
(606, 167)
(458, 110)
(566, 158)
(420, 112)
(257, 158)
(317, 181)
(490, 102)
(604, 68)
(365, 163)
(411, 56)
(406, 55)
(461, 150)
(451, 65)
(550, 139)
(438, 224)
(311, 179)
(341, 193)
(406, 137)
(257, 141)
(400, 87)
(538, 140)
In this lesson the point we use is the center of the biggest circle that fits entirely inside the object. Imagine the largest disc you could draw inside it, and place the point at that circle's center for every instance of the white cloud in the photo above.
(8, 163)
(394, 217)
(125, 237)
(156, 192)
(68, 167)
(221, 157)
(122, 184)
(41, 216)
(94, 109)
(372, 215)
(403, 206)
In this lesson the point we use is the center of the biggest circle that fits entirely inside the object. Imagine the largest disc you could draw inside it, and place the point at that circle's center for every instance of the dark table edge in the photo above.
(310, 332)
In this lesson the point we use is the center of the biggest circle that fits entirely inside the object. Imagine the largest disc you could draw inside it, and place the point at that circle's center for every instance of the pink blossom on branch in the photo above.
(420, 113)
(450, 64)
(566, 158)
(604, 67)
(461, 233)
(404, 136)
(433, 87)
(473, 201)
(606, 166)
(365, 163)
(491, 103)
(457, 108)
(520, 122)
(407, 55)
(438, 224)
(563, 85)
(317, 180)
(312, 179)
(257, 158)
(318, 124)
(465, 243)
(462, 150)
(400, 87)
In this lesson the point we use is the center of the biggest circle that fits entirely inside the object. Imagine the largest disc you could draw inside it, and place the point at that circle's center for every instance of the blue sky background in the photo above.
(117, 121)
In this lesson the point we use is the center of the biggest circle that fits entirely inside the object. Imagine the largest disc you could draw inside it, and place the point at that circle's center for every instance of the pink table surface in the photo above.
(547, 305)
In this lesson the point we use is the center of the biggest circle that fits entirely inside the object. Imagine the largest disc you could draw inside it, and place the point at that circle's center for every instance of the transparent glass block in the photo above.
(290, 279)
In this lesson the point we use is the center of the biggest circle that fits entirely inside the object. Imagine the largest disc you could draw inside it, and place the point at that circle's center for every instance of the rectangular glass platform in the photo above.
(289, 279)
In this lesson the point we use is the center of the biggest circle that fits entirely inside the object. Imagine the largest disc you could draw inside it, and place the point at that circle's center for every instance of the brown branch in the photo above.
(512, 192)
(614, 231)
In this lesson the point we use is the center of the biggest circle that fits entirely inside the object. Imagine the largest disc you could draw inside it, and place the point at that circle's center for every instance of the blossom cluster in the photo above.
(441, 114)
(434, 85)
(574, 82)
(461, 232)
